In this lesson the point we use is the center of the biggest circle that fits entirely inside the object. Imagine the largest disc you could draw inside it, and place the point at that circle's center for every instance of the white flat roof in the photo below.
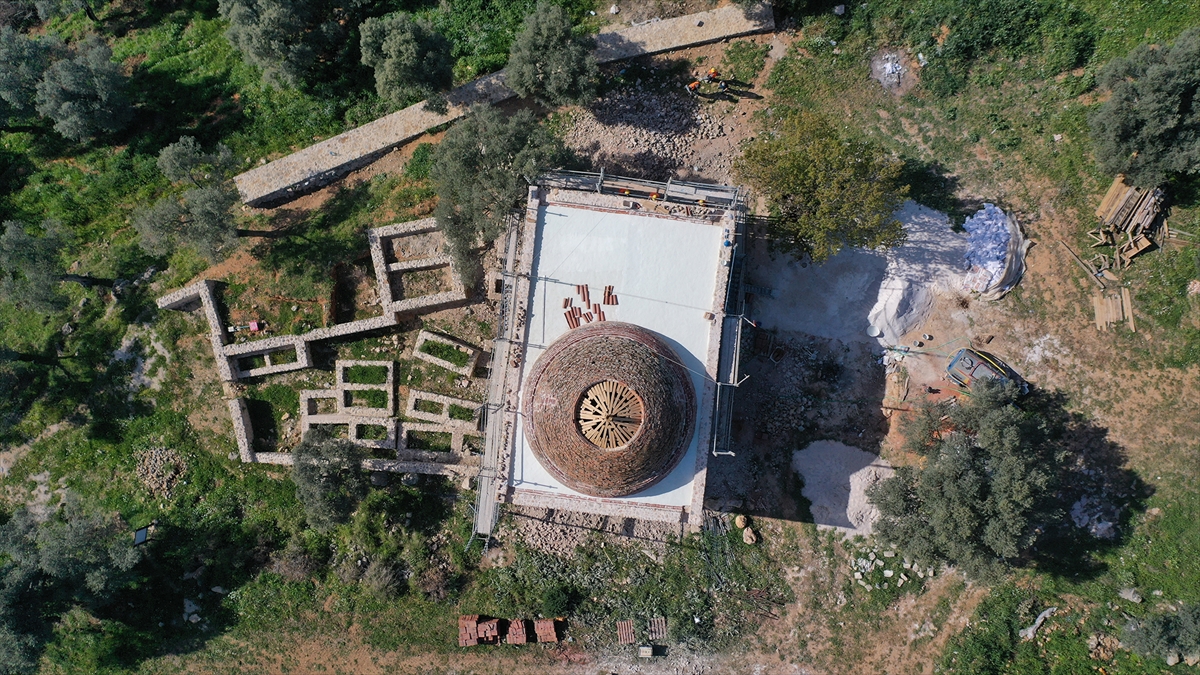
(664, 272)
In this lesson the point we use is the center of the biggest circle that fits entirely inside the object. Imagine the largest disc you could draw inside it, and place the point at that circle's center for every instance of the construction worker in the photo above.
(694, 87)
(713, 75)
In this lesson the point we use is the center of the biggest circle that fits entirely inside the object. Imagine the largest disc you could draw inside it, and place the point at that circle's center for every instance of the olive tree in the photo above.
(76, 557)
(85, 93)
(479, 172)
(1149, 129)
(825, 192)
(411, 60)
(1160, 635)
(330, 481)
(201, 216)
(25, 60)
(32, 269)
(989, 470)
(290, 39)
(549, 62)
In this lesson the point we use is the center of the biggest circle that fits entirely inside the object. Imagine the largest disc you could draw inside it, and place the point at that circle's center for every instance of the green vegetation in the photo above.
(410, 59)
(458, 412)
(366, 374)
(478, 172)
(549, 62)
(437, 441)
(1149, 128)
(370, 398)
(1161, 635)
(431, 407)
(825, 192)
(446, 352)
(329, 479)
(990, 465)
(744, 60)
(85, 93)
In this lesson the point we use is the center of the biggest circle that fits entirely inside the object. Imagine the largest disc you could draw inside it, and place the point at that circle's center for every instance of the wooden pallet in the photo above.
(1113, 308)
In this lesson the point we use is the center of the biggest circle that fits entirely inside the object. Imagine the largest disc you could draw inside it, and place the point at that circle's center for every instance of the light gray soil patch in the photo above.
(836, 480)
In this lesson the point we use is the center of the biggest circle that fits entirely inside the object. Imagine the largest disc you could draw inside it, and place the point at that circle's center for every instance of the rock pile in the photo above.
(643, 133)
(159, 470)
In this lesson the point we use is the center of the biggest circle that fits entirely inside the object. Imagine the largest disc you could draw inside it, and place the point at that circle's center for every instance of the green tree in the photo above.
(75, 558)
(550, 63)
(25, 60)
(85, 93)
(330, 481)
(825, 192)
(48, 9)
(200, 217)
(411, 60)
(989, 469)
(479, 171)
(1149, 129)
(290, 40)
(31, 268)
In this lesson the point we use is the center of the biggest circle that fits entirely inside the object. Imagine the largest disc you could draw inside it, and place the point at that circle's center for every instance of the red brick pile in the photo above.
(545, 630)
(468, 630)
(516, 632)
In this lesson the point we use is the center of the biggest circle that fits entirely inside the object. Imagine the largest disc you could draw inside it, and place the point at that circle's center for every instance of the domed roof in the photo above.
(609, 410)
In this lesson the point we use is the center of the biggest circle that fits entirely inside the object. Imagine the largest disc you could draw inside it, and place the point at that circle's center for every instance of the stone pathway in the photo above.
(319, 164)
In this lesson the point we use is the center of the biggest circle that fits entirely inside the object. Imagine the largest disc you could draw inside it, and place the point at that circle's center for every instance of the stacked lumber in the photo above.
(1130, 221)
(625, 634)
(1113, 308)
(658, 628)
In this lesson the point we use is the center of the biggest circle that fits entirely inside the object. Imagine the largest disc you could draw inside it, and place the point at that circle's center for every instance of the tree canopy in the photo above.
(31, 267)
(290, 39)
(550, 63)
(825, 192)
(479, 172)
(330, 481)
(411, 60)
(200, 217)
(85, 93)
(74, 558)
(1149, 129)
(989, 469)
(25, 60)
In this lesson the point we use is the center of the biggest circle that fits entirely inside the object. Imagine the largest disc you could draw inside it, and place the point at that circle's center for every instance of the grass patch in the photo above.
(372, 432)
(367, 398)
(436, 441)
(431, 407)
(458, 412)
(744, 60)
(366, 374)
(446, 352)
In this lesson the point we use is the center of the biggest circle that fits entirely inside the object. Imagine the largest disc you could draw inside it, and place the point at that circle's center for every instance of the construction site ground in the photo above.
(801, 387)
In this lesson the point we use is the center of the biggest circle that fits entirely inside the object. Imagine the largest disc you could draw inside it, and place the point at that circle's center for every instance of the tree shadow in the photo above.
(1097, 494)
(930, 185)
(1184, 191)
(310, 247)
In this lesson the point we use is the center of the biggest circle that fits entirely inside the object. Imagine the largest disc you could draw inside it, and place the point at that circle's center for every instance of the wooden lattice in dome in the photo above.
(610, 414)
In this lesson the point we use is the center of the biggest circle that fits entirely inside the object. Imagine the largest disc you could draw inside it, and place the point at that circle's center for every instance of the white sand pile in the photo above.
(930, 260)
(836, 479)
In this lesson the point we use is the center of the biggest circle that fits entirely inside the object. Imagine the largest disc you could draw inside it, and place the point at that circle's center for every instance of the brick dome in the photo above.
(609, 410)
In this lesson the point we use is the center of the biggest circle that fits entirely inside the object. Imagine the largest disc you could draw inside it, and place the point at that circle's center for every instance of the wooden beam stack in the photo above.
(1130, 220)
(1113, 308)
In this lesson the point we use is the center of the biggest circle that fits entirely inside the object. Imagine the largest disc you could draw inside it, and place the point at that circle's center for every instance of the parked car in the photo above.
(968, 365)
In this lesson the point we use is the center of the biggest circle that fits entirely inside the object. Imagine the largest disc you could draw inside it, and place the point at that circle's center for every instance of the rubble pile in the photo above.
(159, 470)
(643, 133)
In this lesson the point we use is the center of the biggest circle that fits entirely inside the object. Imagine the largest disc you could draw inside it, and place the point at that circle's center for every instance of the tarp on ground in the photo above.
(996, 249)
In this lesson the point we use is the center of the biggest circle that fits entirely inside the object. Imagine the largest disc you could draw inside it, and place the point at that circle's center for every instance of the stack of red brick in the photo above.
(472, 631)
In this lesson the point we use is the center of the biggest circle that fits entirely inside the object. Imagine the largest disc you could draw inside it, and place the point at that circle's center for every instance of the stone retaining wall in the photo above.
(319, 164)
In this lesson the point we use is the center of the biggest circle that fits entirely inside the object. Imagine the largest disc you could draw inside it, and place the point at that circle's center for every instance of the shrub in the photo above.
(1161, 635)
(988, 473)
(1149, 128)
(555, 601)
(825, 192)
(480, 170)
(329, 478)
(548, 62)
(85, 94)
(411, 60)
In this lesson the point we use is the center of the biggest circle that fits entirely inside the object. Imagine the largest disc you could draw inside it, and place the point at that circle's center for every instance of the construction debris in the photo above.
(1131, 221)
(1112, 308)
